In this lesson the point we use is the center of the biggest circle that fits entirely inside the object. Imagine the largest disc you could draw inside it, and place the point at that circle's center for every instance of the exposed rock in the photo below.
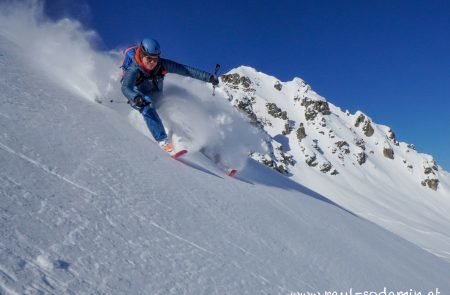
(428, 170)
(361, 157)
(288, 127)
(391, 134)
(432, 183)
(311, 160)
(301, 133)
(334, 172)
(323, 122)
(360, 143)
(325, 167)
(433, 165)
(278, 86)
(268, 161)
(275, 111)
(286, 159)
(246, 105)
(315, 107)
(236, 79)
(359, 120)
(388, 153)
(408, 165)
(412, 147)
(429, 167)
(341, 143)
(331, 134)
(368, 129)
(343, 148)
(316, 146)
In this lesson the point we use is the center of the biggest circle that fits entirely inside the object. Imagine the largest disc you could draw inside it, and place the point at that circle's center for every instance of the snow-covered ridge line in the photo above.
(293, 111)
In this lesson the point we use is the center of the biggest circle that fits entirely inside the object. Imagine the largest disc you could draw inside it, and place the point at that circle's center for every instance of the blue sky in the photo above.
(389, 59)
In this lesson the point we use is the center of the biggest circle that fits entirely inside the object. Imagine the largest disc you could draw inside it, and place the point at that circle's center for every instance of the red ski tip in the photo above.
(179, 154)
(232, 172)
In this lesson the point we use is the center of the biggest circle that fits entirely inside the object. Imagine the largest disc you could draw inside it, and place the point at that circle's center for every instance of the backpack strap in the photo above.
(127, 57)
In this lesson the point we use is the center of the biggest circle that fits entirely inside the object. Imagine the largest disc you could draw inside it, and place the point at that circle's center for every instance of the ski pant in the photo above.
(154, 123)
(149, 113)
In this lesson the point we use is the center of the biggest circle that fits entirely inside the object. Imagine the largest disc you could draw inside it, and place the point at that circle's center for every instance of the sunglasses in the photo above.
(153, 58)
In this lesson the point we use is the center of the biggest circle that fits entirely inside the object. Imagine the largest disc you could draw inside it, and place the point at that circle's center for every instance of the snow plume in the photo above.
(197, 120)
(61, 49)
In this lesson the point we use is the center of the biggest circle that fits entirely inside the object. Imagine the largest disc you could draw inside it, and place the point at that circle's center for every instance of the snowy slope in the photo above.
(90, 205)
(347, 157)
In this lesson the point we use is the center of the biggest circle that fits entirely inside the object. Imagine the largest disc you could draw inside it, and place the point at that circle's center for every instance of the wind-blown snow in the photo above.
(88, 204)
(61, 50)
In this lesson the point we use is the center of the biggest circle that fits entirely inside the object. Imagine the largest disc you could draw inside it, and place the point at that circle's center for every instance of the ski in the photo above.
(179, 154)
(231, 172)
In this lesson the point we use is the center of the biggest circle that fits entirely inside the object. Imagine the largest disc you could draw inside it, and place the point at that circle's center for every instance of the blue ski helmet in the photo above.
(150, 47)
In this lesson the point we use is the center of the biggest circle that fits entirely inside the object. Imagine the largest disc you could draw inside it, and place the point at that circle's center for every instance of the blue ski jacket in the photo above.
(135, 75)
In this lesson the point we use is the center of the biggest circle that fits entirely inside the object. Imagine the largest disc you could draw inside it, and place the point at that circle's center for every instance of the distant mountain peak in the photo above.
(305, 131)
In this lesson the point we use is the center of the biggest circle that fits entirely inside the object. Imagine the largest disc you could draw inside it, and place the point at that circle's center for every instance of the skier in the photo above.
(142, 82)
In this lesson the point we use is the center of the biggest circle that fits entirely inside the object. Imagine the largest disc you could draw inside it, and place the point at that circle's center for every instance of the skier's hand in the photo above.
(148, 100)
(214, 80)
(140, 102)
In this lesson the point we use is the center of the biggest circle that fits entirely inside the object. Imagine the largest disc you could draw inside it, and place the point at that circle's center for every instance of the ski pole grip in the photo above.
(216, 70)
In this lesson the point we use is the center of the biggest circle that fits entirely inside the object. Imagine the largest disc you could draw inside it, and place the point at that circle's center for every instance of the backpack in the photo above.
(128, 55)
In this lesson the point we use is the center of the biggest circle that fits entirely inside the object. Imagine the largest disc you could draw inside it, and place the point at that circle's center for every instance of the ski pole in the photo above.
(118, 101)
(216, 70)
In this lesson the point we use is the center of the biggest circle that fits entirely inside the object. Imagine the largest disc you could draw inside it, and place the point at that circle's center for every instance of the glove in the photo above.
(148, 100)
(214, 80)
(140, 102)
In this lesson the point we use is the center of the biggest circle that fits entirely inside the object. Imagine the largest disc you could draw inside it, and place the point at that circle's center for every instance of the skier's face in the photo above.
(150, 62)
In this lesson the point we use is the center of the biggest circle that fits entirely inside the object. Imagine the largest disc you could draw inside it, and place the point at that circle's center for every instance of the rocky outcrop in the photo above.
(285, 158)
(361, 157)
(246, 105)
(430, 178)
(325, 167)
(288, 127)
(272, 164)
(391, 136)
(367, 125)
(314, 107)
(275, 111)
(234, 80)
(301, 133)
(360, 119)
(311, 160)
(368, 129)
(431, 183)
(388, 153)
(342, 148)
(359, 142)
(278, 86)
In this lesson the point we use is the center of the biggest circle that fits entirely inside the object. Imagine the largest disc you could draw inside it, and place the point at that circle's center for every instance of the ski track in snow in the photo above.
(221, 257)
(45, 168)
